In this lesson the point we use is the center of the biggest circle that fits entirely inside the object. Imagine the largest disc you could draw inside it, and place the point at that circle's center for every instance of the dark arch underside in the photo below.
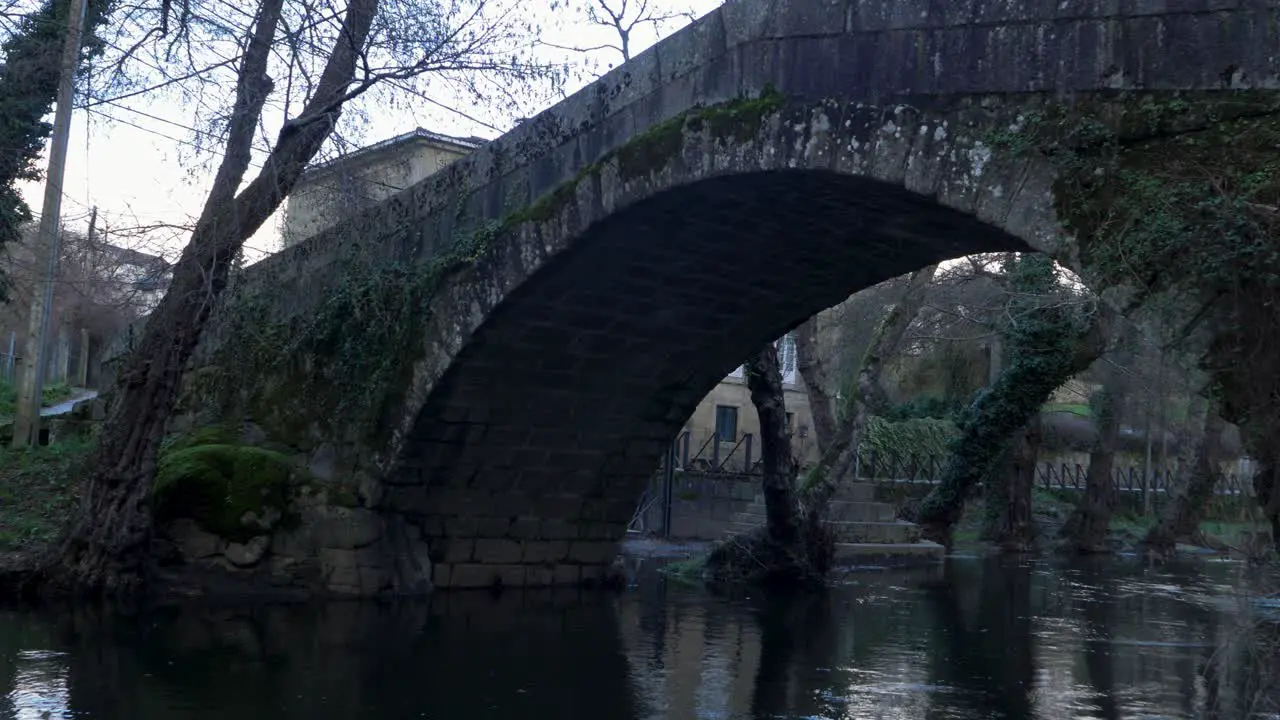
(545, 428)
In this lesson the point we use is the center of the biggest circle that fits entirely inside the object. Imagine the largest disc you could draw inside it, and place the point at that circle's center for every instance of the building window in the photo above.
(791, 419)
(726, 423)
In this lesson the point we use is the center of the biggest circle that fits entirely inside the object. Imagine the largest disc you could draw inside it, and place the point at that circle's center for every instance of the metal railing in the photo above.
(907, 468)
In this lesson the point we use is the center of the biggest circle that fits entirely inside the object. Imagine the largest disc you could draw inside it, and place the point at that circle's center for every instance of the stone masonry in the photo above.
(632, 244)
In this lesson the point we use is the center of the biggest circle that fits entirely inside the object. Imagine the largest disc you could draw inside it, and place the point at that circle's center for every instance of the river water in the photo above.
(974, 639)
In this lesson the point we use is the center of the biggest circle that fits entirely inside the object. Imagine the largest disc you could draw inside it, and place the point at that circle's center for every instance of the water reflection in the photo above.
(980, 639)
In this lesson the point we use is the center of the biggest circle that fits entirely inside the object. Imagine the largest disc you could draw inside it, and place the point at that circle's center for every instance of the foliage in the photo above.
(36, 491)
(1180, 198)
(926, 407)
(352, 354)
(1050, 337)
(1181, 195)
(29, 74)
(215, 485)
(917, 437)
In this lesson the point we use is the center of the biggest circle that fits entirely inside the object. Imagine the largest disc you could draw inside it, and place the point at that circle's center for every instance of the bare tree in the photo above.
(867, 396)
(813, 373)
(299, 61)
(624, 17)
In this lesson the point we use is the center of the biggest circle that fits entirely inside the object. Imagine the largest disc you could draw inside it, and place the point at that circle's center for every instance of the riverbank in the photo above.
(36, 492)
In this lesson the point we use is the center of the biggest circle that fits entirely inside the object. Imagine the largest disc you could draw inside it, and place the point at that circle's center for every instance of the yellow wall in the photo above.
(733, 392)
(334, 192)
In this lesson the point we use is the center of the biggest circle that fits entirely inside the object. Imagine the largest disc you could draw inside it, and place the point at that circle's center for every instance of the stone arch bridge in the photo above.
(481, 373)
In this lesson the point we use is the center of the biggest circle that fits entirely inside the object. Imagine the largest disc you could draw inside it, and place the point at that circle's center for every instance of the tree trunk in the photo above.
(1181, 519)
(782, 508)
(1086, 528)
(1010, 522)
(814, 374)
(107, 548)
(1268, 495)
(989, 422)
(868, 397)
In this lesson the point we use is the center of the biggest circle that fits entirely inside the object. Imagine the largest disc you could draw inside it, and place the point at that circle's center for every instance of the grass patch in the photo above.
(689, 571)
(37, 490)
(1080, 409)
(52, 395)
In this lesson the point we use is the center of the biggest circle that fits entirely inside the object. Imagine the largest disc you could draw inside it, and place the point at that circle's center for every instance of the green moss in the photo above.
(215, 485)
(737, 119)
(653, 148)
(741, 119)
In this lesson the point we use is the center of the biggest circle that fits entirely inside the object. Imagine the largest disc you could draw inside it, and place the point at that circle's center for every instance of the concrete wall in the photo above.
(702, 504)
(733, 392)
(334, 192)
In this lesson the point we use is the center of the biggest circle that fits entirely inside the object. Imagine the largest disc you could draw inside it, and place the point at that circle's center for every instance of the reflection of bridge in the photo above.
(987, 639)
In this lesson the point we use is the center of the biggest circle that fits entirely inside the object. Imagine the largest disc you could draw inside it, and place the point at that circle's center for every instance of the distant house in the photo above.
(724, 430)
(101, 290)
(333, 190)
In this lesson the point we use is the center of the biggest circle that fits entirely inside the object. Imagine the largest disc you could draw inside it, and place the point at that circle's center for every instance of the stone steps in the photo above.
(888, 553)
(897, 532)
(865, 531)
(838, 510)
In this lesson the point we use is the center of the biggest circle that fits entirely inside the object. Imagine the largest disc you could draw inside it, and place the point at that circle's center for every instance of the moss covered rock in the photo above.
(217, 484)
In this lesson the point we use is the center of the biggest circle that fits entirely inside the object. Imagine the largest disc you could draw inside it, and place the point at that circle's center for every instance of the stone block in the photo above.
(511, 576)
(249, 553)
(545, 551)
(461, 526)
(524, 527)
(539, 575)
(493, 551)
(194, 542)
(592, 552)
(596, 530)
(471, 575)
(558, 529)
(340, 569)
(441, 575)
(343, 528)
(567, 575)
(433, 526)
(456, 550)
(493, 526)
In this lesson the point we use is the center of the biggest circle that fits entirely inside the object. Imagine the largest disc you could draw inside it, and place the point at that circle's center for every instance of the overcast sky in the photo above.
(134, 160)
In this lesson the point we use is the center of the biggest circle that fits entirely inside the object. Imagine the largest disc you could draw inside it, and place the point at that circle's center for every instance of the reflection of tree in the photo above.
(992, 665)
(1099, 628)
(797, 633)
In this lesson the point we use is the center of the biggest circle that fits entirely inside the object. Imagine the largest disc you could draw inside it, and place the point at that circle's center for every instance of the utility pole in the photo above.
(26, 423)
